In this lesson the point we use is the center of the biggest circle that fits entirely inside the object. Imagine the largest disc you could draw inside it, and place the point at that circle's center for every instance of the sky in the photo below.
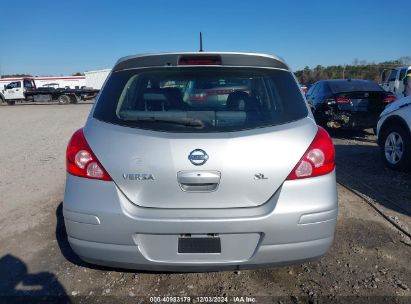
(52, 37)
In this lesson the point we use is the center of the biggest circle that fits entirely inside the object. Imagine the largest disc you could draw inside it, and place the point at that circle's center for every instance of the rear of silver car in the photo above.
(158, 181)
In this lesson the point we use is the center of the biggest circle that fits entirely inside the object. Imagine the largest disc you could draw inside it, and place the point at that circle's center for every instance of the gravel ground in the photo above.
(369, 258)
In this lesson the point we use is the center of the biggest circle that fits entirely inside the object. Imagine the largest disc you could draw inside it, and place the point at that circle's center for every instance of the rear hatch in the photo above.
(164, 153)
(234, 158)
(364, 107)
(363, 100)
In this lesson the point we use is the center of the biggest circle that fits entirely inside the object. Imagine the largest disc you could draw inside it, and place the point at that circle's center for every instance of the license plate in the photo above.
(199, 245)
(360, 105)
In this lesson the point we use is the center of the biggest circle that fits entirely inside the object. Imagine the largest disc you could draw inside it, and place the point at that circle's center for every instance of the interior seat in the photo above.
(252, 105)
(253, 109)
(155, 100)
(174, 99)
(236, 101)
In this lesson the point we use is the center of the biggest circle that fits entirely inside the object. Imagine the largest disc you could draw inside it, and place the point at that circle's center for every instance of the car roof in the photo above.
(402, 67)
(347, 80)
(227, 59)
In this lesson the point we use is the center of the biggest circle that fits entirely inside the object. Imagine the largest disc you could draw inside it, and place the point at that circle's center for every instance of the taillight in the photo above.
(199, 97)
(343, 100)
(220, 92)
(319, 159)
(338, 101)
(81, 160)
(389, 99)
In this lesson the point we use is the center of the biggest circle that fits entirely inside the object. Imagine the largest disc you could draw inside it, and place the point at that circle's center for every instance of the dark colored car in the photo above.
(215, 92)
(348, 103)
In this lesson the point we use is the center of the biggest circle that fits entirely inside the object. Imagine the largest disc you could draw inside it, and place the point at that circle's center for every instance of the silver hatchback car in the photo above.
(232, 174)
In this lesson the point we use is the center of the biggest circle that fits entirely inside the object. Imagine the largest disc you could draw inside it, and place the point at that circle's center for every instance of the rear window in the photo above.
(353, 86)
(200, 99)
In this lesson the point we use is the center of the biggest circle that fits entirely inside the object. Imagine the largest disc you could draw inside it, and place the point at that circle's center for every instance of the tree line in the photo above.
(359, 69)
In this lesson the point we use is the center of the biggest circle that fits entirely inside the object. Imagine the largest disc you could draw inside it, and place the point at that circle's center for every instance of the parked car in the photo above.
(347, 103)
(214, 91)
(304, 88)
(395, 80)
(394, 134)
(156, 183)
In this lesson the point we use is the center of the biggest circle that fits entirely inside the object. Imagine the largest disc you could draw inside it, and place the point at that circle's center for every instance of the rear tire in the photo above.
(63, 99)
(73, 99)
(396, 148)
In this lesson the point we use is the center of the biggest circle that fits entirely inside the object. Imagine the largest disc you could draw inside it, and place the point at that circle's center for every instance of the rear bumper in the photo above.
(296, 224)
(335, 118)
(128, 256)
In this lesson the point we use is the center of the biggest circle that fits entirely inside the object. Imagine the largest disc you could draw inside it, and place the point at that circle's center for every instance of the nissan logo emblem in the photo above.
(198, 157)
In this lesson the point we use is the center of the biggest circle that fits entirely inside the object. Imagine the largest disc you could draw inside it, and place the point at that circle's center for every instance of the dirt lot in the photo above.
(369, 258)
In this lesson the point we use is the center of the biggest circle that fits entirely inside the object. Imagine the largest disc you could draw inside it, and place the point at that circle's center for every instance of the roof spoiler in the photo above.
(227, 59)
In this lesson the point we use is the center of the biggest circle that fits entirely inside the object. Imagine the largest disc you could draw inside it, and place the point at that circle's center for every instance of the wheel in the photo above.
(396, 148)
(73, 99)
(63, 99)
(11, 102)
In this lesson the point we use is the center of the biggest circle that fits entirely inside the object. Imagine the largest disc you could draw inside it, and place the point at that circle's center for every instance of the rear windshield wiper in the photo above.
(189, 122)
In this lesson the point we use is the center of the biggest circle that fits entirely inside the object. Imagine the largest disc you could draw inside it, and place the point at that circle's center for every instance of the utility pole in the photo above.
(201, 42)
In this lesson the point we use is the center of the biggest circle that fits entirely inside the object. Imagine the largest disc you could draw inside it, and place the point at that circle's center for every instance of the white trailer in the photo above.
(96, 79)
(72, 82)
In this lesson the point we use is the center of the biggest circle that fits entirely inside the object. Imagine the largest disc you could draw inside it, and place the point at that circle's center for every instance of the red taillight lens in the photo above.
(220, 92)
(81, 160)
(389, 99)
(200, 60)
(319, 159)
(199, 97)
(342, 100)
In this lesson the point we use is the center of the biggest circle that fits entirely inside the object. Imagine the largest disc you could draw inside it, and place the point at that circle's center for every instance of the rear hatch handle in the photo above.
(198, 181)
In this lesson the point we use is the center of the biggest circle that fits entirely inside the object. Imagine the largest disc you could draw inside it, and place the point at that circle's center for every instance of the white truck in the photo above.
(25, 89)
(394, 83)
(72, 82)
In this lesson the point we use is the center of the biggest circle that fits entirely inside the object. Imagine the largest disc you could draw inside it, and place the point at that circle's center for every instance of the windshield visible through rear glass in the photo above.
(200, 99)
